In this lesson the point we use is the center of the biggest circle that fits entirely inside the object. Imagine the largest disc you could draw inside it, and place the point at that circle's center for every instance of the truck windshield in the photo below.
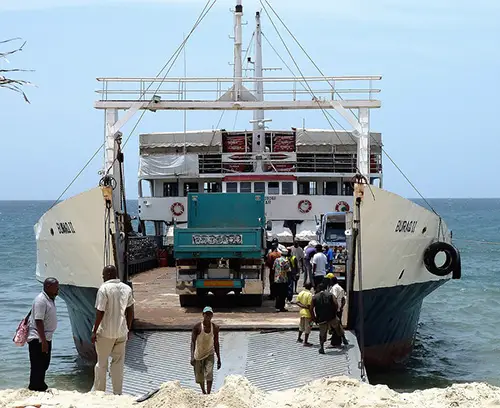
(335, 232)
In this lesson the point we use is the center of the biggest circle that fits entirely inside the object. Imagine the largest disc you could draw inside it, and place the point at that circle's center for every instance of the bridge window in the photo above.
(232, 187)
(308, 187)
(190, 188)
(273, 187)
(303, 188)
(330, 188)
(212, 187)
(170, 189)
(287, 187)
(259, 187)
(245, 187)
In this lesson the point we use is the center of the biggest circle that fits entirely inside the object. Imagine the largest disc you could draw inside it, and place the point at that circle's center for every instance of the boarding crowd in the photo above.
(326, 306)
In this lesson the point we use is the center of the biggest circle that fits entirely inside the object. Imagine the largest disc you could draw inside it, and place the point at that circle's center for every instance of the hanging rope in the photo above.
(361, 314)
(107, 234)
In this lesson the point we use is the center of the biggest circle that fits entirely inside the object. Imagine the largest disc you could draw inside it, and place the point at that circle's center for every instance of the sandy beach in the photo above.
(237, 392)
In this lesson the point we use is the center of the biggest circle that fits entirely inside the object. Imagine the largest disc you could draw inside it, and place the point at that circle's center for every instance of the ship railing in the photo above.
(208, 89)
(302, 162)
(142, 253)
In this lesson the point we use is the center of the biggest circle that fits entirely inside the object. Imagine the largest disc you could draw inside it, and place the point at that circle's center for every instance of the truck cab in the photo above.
(332, 232)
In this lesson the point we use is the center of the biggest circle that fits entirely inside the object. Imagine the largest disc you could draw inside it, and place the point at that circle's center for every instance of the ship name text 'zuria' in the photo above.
(65, 228)
(406, 226)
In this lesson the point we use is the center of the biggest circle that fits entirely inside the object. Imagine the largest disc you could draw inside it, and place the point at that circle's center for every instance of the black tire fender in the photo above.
(452, 263)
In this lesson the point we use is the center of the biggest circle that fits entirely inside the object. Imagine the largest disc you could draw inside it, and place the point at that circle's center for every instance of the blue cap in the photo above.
(208, 309)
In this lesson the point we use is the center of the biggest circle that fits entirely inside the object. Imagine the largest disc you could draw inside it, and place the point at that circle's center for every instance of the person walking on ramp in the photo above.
(204, 343)
(114, 315)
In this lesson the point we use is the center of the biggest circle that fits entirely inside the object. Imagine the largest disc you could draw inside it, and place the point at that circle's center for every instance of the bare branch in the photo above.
(10, 83)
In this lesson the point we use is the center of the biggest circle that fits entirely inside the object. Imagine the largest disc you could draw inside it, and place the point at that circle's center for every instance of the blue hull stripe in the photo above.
(391, 319)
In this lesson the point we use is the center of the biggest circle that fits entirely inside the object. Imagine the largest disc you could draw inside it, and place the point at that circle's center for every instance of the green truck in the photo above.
(222, 250)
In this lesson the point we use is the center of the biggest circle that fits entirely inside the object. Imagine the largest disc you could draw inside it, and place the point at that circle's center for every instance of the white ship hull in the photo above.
(395, 279)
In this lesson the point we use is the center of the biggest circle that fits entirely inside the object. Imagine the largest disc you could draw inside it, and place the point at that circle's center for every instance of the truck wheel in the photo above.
(187, 300)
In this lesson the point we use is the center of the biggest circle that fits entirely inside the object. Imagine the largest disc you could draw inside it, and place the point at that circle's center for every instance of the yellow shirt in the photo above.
(305, 297)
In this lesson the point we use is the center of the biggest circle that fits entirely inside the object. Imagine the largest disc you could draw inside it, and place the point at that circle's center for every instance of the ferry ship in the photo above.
(393, 245)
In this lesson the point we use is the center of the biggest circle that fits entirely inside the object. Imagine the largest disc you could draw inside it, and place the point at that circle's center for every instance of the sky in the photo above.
(440, 63)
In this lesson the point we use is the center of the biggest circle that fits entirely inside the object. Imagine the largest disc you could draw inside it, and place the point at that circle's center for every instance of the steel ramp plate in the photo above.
(271, 361)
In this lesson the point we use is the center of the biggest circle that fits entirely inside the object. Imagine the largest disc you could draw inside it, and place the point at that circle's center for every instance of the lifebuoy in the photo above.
(177, 209)
(342, 206)
(452, 264)
(304, 206)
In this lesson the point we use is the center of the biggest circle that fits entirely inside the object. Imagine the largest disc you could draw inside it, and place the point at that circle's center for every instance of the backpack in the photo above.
(21, 335)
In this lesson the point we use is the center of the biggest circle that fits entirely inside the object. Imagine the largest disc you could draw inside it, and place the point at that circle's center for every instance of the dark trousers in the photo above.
(39, 362)
(272, 291)
(280, 292)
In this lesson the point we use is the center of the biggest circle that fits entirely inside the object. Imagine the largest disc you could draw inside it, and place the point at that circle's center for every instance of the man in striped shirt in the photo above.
(114, 314)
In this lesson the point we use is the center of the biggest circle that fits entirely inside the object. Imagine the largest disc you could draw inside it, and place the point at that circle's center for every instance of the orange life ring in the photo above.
(342, 206)
(177, 209)
(304, 206)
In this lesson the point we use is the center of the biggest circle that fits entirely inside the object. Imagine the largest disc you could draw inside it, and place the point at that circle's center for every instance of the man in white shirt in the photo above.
(338, 292)
(114, 314)
(42, 325)
(320, 266)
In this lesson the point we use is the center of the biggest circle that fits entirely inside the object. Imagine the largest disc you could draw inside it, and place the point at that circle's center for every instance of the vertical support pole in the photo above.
(238, 40)
(358, 197)
(111, 164)
(112, 167)
(364, 143)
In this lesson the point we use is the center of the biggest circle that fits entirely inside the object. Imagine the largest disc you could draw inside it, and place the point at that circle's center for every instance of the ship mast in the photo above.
(258, 139)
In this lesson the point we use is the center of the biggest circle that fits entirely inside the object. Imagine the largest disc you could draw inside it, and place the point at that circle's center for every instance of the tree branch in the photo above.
(10, 83)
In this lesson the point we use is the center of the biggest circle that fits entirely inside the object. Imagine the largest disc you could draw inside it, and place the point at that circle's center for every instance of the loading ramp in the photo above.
(272, 361)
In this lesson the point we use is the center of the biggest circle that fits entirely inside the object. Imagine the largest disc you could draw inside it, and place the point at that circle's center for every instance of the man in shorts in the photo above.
(304, 301)
(204, 343)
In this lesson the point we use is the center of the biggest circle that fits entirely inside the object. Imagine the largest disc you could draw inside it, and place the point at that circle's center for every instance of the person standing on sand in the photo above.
(204, 343)
(42, 325)
(304, 301)
(114, 315)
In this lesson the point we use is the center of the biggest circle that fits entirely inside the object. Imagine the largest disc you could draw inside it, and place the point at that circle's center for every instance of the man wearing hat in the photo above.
(282, 270)
(204, 343)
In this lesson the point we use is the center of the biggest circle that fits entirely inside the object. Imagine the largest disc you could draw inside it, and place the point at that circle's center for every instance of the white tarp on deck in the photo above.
(315, 137)
(192, 138)
(155, 165)
(283, 234)
(306, 231)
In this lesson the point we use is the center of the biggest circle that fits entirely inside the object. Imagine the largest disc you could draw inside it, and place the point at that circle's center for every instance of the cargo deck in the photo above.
(255, 342)
(157, 308)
